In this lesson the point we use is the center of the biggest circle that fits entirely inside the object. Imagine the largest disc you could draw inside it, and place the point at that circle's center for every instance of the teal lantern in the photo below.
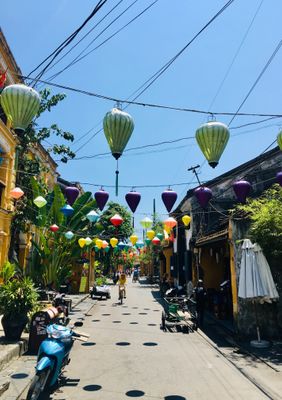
(92, 216)
(148, 241)
(96, 248)
(160, 236)
(69, 235)
(118, 127)
(212, 139)
(20, 104)
(107, 249)
(139, 244)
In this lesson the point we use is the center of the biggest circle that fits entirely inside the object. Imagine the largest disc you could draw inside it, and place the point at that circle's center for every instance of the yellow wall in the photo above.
(7, 178)
(213, 271)
(168, 252)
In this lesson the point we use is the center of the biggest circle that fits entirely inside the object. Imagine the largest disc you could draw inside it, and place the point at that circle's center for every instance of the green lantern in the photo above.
(212, 139)
(118, 128)
(279, 140)
(20, 104)
(160, 236)
(148, 241)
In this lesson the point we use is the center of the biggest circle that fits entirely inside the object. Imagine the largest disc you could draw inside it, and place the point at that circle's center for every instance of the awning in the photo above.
(213, 237)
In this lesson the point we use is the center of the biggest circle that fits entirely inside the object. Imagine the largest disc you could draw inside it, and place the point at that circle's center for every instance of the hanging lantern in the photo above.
(40, 201)
(170, 222)
(99, 243)
(279, 178)
(16, 193)
(3, 77)
(279, 140)
(71, 193)
(54, 228)
(151, 234)
(169, 197)
(92, 216)
(139, 244)
(186, 219)
(81, 242)
(133, 199)
(116, 220)
(101, 198)
(160, 236)
(146, 223)
(20, 104)
(96, 248)
(167, 229)
(121, 245)
(118, 127)
(88, 241)
(148, 241)
(107, 249)
(114, 242)
(67, 210)
(133, 239)
(69, 235)
(156, 241)
(104, 244)
(126, 247)
(242, 189)
(203, 195)
(212, 139)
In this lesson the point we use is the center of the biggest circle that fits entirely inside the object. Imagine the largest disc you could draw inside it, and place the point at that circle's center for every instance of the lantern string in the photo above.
(154, 105)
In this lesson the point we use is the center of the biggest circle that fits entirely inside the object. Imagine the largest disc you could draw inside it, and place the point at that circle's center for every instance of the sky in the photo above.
(240, 41)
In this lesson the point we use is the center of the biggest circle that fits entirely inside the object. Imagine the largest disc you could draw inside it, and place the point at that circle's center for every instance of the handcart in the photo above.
(179, 313)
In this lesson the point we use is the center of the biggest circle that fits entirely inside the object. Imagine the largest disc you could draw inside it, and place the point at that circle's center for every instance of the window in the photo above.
(2, 191)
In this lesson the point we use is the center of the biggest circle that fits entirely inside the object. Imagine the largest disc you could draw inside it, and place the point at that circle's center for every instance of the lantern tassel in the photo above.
(117, 172)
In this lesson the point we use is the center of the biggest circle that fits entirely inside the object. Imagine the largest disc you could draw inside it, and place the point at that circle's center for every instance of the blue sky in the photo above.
(33, 29)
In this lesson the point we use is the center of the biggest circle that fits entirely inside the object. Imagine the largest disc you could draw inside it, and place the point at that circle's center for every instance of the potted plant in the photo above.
(18, 297)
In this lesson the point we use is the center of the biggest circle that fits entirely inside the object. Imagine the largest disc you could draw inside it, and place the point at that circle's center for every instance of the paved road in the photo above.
(129, 356)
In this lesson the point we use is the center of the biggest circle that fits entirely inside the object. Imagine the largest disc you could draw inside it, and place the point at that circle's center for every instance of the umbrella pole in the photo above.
(258, 343)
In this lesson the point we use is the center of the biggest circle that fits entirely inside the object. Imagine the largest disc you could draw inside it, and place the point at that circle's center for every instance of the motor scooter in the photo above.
(121, 293)
(53, 356)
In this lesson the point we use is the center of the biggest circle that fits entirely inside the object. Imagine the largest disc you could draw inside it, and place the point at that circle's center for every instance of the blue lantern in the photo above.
(121, 245)
(67, 210)
(139, 244)
(92, 216)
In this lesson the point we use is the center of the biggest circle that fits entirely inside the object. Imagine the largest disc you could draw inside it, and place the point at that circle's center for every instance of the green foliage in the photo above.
(124, 230)
(8, 271)
(265, 214)
(17, 297)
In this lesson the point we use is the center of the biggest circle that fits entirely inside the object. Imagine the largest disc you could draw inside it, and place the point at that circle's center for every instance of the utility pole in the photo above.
(194, 170)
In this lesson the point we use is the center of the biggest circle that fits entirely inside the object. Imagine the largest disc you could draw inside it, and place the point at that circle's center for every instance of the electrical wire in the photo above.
(67, 41)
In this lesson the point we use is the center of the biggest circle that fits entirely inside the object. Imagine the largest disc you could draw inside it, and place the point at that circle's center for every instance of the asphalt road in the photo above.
(128, 355)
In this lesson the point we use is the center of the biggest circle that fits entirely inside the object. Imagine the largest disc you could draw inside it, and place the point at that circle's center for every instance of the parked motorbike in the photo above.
(52, 357)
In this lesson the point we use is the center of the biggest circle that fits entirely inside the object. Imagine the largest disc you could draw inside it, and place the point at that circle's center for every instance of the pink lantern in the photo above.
(16, 193)
(104, 244)
(54, 228)
(116, 220)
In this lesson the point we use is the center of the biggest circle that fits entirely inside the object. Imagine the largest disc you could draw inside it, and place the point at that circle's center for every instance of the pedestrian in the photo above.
(200, 297)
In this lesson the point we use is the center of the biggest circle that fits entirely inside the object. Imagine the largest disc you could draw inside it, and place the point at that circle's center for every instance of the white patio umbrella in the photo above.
(255, 281)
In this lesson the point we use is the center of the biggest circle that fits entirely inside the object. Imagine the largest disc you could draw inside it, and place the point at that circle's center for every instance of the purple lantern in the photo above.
(242, 189)
(71, 193)
(203, 194)
(279, 178)
(133, 199)
(169, 197)
(101, 197)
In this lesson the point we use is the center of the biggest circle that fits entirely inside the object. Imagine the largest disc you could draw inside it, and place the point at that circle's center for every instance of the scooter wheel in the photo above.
(35, 388)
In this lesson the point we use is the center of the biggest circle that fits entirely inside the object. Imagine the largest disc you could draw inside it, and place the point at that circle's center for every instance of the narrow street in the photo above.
(127, 355)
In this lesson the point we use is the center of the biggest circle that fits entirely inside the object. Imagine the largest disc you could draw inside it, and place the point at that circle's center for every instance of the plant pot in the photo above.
(14, 326)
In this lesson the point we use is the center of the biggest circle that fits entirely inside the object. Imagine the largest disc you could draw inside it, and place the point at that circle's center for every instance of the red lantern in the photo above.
(54, 228)
(116, 220)
(156, 241)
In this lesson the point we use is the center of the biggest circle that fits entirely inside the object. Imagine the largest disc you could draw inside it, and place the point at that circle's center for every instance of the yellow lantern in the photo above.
(133, 239)
(167, 229)
(186, 219)
(114, 242)
(151, 234)
(99, 243)
(81, 242)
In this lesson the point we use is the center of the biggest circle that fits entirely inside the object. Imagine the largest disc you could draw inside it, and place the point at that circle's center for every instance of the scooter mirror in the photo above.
(78, 323)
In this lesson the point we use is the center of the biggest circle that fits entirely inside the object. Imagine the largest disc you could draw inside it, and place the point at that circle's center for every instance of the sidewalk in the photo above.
(10, 351)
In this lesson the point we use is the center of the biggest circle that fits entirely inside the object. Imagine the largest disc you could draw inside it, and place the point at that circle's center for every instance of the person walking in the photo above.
(200, 297)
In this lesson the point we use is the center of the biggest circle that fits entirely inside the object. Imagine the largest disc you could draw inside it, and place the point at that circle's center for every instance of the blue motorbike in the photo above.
(53, 356)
